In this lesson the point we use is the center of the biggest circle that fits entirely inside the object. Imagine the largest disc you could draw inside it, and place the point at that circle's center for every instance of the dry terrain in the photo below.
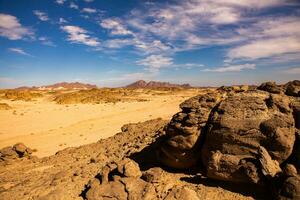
(51, 121)
(231, 143)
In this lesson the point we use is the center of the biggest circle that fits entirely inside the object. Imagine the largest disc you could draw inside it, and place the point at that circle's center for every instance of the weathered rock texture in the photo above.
(18, 151)
(238, 135)
(121, 167)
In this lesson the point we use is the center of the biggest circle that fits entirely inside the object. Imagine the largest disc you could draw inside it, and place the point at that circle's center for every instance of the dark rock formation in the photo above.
(270, 87)
(293, 88)
(180, 148)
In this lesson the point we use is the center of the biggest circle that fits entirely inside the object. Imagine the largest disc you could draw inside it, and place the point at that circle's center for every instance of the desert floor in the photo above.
(48, 127)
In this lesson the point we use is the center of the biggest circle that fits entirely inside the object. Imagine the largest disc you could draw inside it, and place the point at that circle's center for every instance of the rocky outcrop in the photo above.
(293, 88)
(180, 148)
(221, 142)
(17, 151)
(120, 180)
(237, 135)
(270, 87)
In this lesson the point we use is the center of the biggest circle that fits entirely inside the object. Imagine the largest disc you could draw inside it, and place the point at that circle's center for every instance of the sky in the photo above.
(113, 43)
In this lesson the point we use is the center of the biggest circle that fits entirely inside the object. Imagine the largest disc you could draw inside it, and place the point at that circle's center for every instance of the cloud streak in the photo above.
(89, 10)
(232, 68)
(19, 51)
(79, 35)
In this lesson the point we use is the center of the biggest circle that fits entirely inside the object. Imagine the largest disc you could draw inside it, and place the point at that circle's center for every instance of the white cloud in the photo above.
(60, 1)
(155, 62)
(41, 15)
(62, 20)
(46, 41)
(231, 68)
(11, 28)
(294, 70)
(117, 43)
(267, 38)
(89, 10)
(254, 3)
(80, 35)
(74, 6)
(265, 48)
(88, 1)
(194, 24)
(115, 26)
(19, 51)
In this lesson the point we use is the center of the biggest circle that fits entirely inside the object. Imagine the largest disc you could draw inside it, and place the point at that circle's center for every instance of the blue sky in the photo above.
(113, 43)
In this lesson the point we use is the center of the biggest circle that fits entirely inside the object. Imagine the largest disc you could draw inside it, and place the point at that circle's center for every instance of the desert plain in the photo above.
(49, 126)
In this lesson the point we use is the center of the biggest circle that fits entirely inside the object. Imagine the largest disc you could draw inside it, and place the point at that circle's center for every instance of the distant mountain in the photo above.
(61, 86)
(155, 84)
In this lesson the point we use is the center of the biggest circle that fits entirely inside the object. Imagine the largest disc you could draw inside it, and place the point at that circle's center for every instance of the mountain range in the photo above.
(155, 84)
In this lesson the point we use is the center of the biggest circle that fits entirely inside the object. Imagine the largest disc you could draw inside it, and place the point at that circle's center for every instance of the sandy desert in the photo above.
(48, 126)
(238, 142)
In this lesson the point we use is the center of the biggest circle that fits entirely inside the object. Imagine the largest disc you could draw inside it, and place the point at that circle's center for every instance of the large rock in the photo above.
(290, 188)
(180, 148)
(270, 87)
(237, 136)
(293, 88)
(239, 126)
(17, 151)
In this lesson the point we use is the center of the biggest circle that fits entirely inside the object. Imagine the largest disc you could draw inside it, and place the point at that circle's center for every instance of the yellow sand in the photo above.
(49, 127)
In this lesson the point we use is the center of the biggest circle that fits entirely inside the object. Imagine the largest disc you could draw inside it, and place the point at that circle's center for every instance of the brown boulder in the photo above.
(120, 180)
(290, 188)
(239, 126)
(180, 148)
(270, 87)
(293, 88)
(19, 150)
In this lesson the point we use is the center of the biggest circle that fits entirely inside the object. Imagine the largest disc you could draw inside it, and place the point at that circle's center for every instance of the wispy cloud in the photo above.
(46, 41)
(269, 37)
(41, 15)
(11, 28)
(231, 68)
(60, 2)
(88, 1)
(115, 26)
(154, 63)
(74, 6)
(89, 10)
(188, 25)
(19, 51)
(80, 35)
(265, 48)
(62, 20)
